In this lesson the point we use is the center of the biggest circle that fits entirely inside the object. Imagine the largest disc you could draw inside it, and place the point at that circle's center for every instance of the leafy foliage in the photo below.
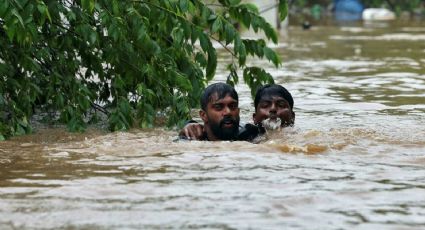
(132, 60)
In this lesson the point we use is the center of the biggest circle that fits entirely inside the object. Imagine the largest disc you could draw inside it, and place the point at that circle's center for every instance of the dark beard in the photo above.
(225, 133)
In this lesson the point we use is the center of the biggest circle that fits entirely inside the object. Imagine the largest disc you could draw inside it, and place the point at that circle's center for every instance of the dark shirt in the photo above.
(248, 132)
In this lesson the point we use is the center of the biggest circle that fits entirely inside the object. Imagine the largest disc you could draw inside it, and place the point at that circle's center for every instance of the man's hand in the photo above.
(192, 131)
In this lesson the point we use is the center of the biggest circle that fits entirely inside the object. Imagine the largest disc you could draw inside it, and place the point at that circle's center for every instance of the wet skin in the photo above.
(274, 107)
(221, 118)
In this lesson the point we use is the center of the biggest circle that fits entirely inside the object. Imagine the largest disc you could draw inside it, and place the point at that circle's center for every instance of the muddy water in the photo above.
(355, 158)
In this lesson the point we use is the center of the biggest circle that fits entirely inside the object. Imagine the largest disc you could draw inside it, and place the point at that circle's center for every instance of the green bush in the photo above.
(130, 60)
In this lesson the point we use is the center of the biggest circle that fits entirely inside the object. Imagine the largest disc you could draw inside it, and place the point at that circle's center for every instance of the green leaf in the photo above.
(84, 3)
(124, 122)
(271, 55)
(234, 2)
(195, 35)
(205, 13)
(246, 18)
(205, 42)
(18, 16)
(115, 7)
(44, 11)
(252, 8)
(200, 58)
(237, 44)
(11, 30)
(183, 5)
(19, 131)
(47, 13)
(141, 33)
(191, 8)
(177, 35)
(242, 54)
(270, 32)
(283, 9)
(88, 5)
(232, 78)
(84, 102)
(146, 93)
(4, 7)
(217, 25)
(92, 5)
(212, 63)
(212, 17)
(255, 77)
(255, 23)
(92, 37)
(183, 82)
(19, 4)
(60, 101)
(187, 30)
(147, 115)
(76, 124)
(229, 33)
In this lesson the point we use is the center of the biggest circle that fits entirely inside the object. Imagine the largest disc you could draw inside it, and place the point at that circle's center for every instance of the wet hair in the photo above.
(273, 90)
(222, 91)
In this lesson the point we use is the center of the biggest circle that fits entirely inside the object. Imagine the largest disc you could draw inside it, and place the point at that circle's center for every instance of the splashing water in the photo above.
(271, 124)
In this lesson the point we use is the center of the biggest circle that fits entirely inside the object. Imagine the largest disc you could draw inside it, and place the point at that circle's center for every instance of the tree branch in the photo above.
(99, 108)
(191, 23)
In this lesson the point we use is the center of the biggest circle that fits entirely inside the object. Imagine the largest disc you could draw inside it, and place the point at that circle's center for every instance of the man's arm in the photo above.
(192, 131)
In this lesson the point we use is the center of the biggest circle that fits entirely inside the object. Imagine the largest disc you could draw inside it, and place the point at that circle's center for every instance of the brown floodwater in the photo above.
(354, 159)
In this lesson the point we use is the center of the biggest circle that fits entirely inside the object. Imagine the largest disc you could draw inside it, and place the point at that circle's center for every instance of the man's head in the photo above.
(273, 105)
(220, 112)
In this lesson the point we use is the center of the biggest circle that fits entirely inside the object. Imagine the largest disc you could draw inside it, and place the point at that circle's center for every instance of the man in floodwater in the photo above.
(273, 110)
(219, 112)
(273, 107)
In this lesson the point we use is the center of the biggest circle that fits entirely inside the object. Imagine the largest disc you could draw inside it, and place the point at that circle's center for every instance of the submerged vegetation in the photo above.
(72, 60)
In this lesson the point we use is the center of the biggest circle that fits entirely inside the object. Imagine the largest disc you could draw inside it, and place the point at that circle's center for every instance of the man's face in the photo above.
(222, 117)
(274, 109)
